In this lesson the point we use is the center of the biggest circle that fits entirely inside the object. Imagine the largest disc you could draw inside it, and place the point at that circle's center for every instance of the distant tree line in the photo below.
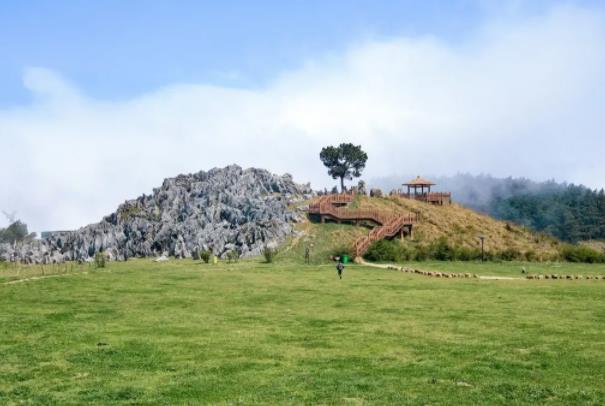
(571, 213)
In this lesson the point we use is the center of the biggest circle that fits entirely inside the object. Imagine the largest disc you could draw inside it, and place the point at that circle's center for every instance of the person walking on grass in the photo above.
(339, 268)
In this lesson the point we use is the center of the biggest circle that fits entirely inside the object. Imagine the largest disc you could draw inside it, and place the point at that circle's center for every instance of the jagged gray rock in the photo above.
(221, 210)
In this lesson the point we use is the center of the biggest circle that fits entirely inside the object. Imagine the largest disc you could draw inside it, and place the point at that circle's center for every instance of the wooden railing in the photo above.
(342, 213)
(337, 198)
(389, 223)
(429, 197)
(387, 230)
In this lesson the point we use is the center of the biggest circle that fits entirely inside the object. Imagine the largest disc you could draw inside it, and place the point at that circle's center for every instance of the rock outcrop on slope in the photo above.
(222, 210)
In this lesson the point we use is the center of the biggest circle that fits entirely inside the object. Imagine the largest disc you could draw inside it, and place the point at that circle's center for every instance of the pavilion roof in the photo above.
(419, 182)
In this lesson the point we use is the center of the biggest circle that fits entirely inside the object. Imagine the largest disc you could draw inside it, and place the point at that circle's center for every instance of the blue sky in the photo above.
(117, 49)
(99, 101)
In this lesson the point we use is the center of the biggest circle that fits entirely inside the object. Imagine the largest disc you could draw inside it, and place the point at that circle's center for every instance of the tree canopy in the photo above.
(573, 213)
(16, 232)
(344, 161)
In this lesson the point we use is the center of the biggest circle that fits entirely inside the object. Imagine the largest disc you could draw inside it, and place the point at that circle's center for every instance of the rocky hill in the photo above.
(227, 209)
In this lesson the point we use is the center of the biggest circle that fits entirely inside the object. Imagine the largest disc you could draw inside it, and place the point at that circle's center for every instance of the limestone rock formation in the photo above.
(220, 210)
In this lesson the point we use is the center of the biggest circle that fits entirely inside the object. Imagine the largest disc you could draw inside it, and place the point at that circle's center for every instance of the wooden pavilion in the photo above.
(424, 186)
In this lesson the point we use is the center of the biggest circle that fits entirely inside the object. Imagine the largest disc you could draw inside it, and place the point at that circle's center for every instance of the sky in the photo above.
(100, 101)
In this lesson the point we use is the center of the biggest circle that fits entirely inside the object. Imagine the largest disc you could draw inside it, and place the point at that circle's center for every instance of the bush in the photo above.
(468, 254)
(232, 256)
(390, 250)
(442, 251)
(422, 253)
(205, 255)
(375, 192)
(100, 259)
(269, 254)
(530, 255)
(343, 250)
(510, 254)
(383, 250)
(15, 232)
(581, 253)
(195, 255)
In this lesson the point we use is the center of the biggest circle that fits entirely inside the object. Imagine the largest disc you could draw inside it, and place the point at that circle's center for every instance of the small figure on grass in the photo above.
(307, 255)
(340, 267)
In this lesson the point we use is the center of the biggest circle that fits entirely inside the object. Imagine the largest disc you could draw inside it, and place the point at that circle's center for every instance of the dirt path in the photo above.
(35, 278)
(506, 278)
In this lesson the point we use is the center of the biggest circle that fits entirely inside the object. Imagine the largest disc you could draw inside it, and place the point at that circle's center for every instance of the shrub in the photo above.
(269, 254)
(195, 254)
(489, 256)
(422, 253)
(510, 254)
(362, 188)
(100, 259)
(342, 250)
(375, 192)
(406, 253)
(205, 255)
(15, 232)
(442, 251)
(530, 255)
(581, 253)
(467, 254)
(383, 250)
(232, 256)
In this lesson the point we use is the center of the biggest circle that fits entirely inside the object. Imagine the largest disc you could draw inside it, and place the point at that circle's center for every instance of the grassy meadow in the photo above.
(188, 333)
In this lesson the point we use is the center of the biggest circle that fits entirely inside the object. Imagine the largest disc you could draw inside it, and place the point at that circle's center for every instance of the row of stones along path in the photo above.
(437, 274)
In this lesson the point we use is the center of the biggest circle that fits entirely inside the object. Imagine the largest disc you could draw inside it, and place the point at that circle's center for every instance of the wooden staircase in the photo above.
(389, 224)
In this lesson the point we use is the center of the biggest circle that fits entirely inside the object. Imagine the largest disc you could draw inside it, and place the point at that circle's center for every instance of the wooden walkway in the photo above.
(389, 224)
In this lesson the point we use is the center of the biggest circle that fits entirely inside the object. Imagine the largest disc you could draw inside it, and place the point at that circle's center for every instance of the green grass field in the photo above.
(187, 333)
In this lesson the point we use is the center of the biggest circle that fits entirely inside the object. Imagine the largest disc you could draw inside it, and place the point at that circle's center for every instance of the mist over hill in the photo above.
(475, 191)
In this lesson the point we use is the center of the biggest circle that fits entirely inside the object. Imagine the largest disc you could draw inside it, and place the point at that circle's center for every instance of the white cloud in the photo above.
(522, 98)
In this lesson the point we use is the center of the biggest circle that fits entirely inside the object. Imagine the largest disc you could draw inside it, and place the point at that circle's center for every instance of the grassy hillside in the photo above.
(181, 332)
(461, 226)
(598, 245)
(322, 240)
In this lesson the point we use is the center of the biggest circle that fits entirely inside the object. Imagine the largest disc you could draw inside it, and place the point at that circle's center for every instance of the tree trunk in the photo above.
(342, 184)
